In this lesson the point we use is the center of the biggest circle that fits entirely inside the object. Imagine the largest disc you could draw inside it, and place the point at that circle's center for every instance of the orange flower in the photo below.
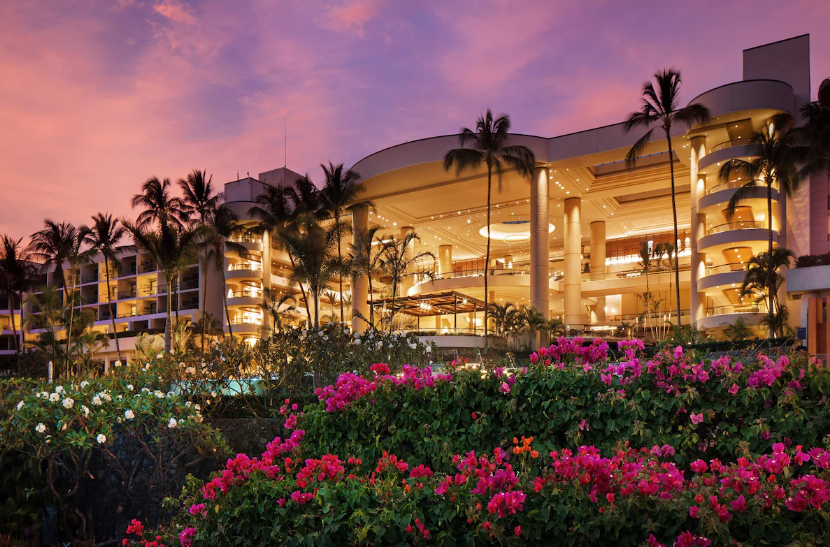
(515, 440)
(534, 454)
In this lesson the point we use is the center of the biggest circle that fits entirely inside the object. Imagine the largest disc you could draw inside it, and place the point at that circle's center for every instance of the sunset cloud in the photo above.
(97, 96)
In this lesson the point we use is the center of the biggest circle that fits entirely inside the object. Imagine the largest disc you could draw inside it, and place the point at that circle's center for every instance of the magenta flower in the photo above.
(696, 418)
(504, 388)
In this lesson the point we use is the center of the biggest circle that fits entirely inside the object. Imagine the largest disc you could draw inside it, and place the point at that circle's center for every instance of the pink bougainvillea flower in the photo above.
(517, 531)
(734, 389)
(504, 388)
(696, 418)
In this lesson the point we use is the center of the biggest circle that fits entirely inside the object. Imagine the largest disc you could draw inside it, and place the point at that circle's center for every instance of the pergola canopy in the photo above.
(428, 305)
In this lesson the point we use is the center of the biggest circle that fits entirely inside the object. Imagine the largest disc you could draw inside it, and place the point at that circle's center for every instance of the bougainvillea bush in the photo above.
(572, 395)
(575, 449)
(130, 422)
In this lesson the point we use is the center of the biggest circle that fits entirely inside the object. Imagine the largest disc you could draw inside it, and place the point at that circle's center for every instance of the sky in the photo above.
(96, 96)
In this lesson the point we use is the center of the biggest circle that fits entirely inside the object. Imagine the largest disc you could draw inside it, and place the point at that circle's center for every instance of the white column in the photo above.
(407, 281)
(598, 263)
(573, 262)
(539, 245)
(698, 260)
(445, 261)
(360, 289)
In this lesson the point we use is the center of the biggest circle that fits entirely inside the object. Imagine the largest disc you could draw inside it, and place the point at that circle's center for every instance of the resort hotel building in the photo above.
(587, 238)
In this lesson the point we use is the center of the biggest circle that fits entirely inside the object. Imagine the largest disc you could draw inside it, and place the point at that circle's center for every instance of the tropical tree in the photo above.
(503, 315)
(488, 145)
(397, 263)
(555, 327)
(104, 236)
(817, 128)
(311, 248)
(218, 234)
(48, 317)
(277, 304)
(173, 247)
(78, 257)
(763, 277)
(275, 209)
(662, 106)
(17, 275)
(52, 246)
(779, 158)
(159, 205)
(199, 200)
(738, 331)
(339, 193)
(366, 259)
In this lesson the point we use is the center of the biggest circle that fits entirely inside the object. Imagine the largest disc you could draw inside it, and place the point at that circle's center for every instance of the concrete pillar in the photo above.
(445, 261)
(360, 287)
(698, 260)
(598, 264)
(539, 242)
(573, 262)
(408, 280)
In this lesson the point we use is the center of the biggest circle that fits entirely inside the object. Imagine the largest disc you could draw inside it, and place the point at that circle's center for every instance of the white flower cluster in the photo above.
(129, 415)
(68, 402)
(40, 428)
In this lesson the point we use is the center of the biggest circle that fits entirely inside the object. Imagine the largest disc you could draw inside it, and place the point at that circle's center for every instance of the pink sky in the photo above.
(98, 95)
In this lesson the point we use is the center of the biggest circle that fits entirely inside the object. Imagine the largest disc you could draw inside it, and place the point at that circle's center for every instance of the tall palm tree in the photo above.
(763, 276)
(78, 257)
(397, 263)
(306, 200)
(173, 248)
(366, 259)
(218, 235)
(817, 128)
(311, 247)
(275, 211)
(159, 205)
(104, 236)
(277, 305)
(662, 106)
(199, 200)
(488, 145)
(502, 316)
(52, 246)
(17, 275)
(779, 157)
(340, 192)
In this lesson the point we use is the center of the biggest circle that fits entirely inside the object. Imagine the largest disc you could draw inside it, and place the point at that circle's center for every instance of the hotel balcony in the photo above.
(246, 325)
(244, 270)
(245, 297)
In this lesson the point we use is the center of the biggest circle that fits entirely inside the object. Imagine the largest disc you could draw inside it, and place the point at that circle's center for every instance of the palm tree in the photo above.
(221, 228)
(173, 248)
(738, 331)
(555, 327)
(397, 263)
(339, 193)
(311, 247)
(779, 158)
(661, 106)
(502, 315)
(763, 276)
(77, 258)
(488, 146)
(277, 305)
(104, 236)
(817, 128)
(199, 201)
(17, 275)
(52, 247)
(159, 205)
(200, 204)
(275, 212)
(366, 258)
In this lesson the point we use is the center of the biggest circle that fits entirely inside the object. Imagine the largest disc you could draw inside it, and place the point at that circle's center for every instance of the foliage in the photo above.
(59, 429)
(738, 331)
(726, 457)
(808, 261)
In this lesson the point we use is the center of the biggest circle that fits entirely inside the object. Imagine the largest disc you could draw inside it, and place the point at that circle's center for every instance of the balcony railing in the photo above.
(133, 313)
(738, 225)
(127, 294)
(246, 321)
(247, 239)
(254, 266)
(192, 305)
(737, 308)
(733, 184)
(147, 267)
(89, 278)
(729, 144)
(188, 284)
(726, 268)
(253, 293)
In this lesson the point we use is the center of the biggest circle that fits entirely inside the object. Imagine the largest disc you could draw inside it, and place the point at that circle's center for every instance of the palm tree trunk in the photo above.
(14, 328)
(203, 268)
(176, 290)
(771, 273)
(167, 337)
(109, 305)
(71, 324)
(674, 217)
(487, 256)
(371, 304)
(339, 261)
(316, 295)
(394, 291)
(302, 291)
